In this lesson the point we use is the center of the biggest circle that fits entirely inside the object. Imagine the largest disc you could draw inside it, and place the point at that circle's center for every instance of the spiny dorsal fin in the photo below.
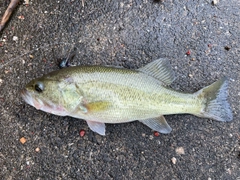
(159, 69)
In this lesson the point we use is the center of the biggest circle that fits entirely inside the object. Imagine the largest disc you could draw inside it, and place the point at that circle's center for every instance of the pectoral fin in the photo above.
(97, 127)
(158, 124)
(97, 106)
(91, 107)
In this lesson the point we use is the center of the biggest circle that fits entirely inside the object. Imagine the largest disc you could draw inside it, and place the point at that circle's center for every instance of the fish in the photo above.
(106, 94)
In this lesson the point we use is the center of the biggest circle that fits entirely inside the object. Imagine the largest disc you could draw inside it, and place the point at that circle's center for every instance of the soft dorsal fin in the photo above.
(159, 69)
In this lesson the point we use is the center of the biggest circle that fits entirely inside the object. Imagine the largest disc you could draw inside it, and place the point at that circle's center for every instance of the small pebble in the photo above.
(37, 149)
(23, 140)
(21, 17)
(188, 52)
(15, 38)
(174, 160)
(26, 1)
(214, 2)
(82, 132)
(31, 56)
(151, 137)
(180, 150)
(190, 75)
(1, 81)
(156, 133)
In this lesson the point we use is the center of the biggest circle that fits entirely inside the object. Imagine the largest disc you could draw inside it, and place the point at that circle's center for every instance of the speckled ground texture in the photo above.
(121, 33)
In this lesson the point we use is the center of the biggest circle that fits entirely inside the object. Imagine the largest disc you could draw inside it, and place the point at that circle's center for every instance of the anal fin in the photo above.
(97, 127)
(158, 124)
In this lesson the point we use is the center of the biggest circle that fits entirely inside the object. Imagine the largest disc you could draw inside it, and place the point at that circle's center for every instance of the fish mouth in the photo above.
(28, 98)
(43, 105)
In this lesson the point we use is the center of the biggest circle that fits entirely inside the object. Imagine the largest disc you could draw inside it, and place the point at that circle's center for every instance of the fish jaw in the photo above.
(39, 104)
(27, 97)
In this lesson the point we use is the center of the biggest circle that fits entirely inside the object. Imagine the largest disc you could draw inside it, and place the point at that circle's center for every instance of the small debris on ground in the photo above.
(151, 137)
(26, 2)
(174, 160)
(64, 62)
(23, 140)
(13, 4)
(227, 48)
(21, 17)
(156, 133)
(214, 2)
(82, 132)
(7, 71)
(15, 38)
(31, 56)
(180, 150)
(37, 149)
(188, 52)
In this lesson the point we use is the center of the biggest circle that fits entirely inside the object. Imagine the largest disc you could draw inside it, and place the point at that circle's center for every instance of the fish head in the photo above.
(45, 94)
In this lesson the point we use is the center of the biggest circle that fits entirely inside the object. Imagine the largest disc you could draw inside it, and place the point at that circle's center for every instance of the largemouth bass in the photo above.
(102, 95)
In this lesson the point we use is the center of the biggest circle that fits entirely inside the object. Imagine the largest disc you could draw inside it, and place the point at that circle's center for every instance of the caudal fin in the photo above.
(216, 104)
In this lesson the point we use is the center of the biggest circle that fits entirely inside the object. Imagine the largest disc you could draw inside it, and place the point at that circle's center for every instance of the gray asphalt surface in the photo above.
(129, 34)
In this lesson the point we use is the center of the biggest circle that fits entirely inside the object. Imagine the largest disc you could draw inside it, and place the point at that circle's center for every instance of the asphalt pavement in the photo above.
(201, 39)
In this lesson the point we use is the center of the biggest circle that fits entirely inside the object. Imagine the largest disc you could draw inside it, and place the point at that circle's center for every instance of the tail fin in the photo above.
(216, 104)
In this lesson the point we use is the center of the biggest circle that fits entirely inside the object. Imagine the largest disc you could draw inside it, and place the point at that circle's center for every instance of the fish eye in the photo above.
(39, 87)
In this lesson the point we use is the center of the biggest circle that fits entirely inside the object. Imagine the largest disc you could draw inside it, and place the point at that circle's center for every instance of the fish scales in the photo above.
(135, 98)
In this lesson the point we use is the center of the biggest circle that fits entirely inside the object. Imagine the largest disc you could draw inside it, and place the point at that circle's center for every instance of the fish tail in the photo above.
(215, 101)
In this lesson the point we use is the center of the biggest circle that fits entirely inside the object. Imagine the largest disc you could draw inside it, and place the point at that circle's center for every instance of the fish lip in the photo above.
(23, 91)
(27, 97)
(24, 94)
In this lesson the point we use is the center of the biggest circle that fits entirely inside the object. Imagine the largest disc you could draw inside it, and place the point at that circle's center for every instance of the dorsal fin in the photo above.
(159, 69)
